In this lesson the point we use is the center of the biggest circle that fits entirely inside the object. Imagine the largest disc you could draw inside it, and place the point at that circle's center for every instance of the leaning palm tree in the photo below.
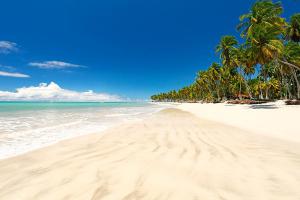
(266, 44)
(265, 13)
(264, 22)
(293, 29)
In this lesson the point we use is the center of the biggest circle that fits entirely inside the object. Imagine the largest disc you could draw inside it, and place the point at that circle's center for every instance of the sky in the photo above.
(116, 49)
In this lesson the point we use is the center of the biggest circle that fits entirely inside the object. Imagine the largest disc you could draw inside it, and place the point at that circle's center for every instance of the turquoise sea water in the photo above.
(23, 106)
(26, 126)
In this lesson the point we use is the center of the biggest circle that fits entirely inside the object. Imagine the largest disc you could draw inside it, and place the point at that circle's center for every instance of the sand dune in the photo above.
(172, 155)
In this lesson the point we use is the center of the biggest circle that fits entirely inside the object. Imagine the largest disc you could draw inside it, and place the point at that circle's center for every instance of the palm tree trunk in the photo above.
(248, 87)
(265, 80)
(297, 82)
(261, 96)
(282, 83)
(289, 90)
(289, 64)
(218, 95)
(240, 89)
(267, 93)
(293, 67)
(224, 96)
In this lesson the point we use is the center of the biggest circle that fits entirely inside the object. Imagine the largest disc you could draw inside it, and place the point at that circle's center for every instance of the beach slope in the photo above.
(172, 155)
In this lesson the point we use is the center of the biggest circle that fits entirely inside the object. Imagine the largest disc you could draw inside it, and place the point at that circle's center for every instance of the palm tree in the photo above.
(264, 13)
(293, 29)
(214, 75)
(247, 66)
(226, 47)
(225, 78)
(266, 44)
(262, 27)
(203, 80)
(271, 48)
(291, 55)
(263, 22)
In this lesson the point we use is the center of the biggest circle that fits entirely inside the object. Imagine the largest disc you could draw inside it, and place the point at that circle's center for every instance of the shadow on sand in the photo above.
(257, 106)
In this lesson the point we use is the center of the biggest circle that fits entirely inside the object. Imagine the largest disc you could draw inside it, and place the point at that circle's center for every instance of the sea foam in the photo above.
(29, 126)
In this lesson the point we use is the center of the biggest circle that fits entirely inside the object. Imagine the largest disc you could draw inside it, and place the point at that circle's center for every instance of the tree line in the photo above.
(264, 66)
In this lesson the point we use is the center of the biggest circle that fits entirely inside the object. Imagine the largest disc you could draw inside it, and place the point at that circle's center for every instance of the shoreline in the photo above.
(214, 113)
(23, 132)
(97, 134)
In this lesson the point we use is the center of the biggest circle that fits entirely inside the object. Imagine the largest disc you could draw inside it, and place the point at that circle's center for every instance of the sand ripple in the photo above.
(172, 155)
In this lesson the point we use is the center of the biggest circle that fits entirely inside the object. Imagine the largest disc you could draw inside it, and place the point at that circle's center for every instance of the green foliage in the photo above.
(292, 53)
(226, 48)
(293, 29)
(263, 13)
(270, 52)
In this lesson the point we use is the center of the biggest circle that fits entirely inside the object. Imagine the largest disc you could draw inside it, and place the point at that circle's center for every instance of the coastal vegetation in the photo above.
(263, 65)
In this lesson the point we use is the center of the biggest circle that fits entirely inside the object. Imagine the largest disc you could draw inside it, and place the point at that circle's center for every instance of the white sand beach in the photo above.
(274, 119)
(146, 100)
(171, 155)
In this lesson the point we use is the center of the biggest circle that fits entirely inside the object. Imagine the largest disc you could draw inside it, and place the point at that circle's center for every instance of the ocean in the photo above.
(25, 126)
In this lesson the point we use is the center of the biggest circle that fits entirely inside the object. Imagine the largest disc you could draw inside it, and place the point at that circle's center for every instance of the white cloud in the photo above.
(53, 92)
(15, 75)
(7, 47)
(53, 65)
(11, 68)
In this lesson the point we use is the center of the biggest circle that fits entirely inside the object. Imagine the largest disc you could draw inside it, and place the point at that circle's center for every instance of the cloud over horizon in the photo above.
(12, 74)
(54, 65)
(53, 92)
(8, 47)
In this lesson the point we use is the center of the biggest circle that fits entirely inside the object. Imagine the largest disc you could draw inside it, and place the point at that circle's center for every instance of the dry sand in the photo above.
(172, 155)
(273, 119)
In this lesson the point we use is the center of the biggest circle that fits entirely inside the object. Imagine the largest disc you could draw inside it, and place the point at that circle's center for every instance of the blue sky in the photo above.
(131, 48)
